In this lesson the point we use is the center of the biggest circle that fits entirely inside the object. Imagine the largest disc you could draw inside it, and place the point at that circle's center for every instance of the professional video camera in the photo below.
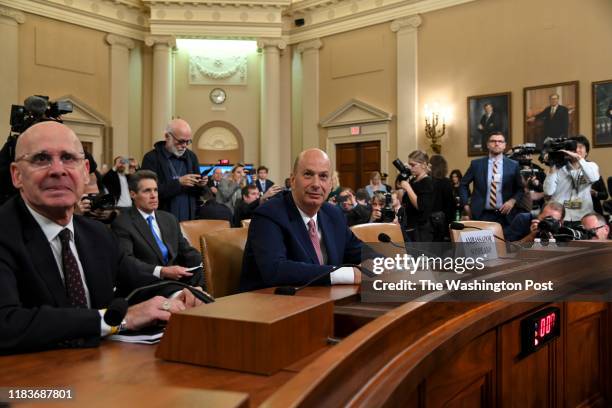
(404, 172)
(551, 228)
(37, 108)
(521, 153)
(102, 207)
(387, 212)
(552, 155)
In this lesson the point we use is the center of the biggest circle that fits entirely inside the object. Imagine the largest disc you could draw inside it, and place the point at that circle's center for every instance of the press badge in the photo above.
(573, 204)
(497, 178)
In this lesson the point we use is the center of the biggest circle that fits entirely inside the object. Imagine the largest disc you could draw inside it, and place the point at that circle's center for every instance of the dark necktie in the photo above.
(162, 247)
(72, 276)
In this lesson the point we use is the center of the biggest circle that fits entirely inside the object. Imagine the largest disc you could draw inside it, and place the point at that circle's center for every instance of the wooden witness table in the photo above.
(407, 355)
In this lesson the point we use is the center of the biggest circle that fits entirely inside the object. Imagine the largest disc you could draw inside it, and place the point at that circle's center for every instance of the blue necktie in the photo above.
(160, 243)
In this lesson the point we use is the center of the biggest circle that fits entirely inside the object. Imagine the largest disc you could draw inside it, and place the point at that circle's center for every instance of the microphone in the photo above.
(458, 226)
(118, 308)
(292, 290)
(386, 239)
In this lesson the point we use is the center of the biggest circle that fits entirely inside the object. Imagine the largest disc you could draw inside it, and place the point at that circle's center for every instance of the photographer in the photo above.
(598, 225)
(355, 212)
(382, 208)
(418, 199)
(569, 182)
(525, 226)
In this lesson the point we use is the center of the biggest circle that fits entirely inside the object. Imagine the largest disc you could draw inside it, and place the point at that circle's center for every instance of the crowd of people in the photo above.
(299, 233)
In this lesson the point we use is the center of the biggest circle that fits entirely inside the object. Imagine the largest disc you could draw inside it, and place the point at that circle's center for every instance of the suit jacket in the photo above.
(360, 214)
(512, 183)
(212, 210)
(140, 251)
(268, 185)
(157, 161)
(279, 251)
(112, 184)
(557, 125)
(34, 310)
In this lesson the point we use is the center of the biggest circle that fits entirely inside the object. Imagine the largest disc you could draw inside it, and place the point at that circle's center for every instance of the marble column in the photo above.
(162, 103)
(407, 81)
(9, 63)
(309, 51)
(270, 137)
(120, 74)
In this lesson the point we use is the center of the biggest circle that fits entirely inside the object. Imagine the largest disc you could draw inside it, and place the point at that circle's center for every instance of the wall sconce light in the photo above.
(432, 131)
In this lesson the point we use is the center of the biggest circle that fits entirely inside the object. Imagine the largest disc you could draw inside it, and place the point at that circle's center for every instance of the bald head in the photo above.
(49, 170)
(178, 136)
(311, 180)
(28, 140)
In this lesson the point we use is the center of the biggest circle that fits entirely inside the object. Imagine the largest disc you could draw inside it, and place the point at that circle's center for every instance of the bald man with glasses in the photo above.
(177, 168)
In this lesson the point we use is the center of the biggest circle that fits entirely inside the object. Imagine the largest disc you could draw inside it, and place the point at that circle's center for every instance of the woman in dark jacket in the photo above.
(418, 199)
(443, 208)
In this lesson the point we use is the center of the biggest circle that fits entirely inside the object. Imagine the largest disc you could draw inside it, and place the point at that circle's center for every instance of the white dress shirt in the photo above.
(124, 199)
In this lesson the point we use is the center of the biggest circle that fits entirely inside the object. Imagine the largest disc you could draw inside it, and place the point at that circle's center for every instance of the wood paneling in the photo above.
(356, 161)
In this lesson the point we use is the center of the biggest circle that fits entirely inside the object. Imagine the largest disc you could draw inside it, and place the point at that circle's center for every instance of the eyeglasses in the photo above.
(179, 141)
(43, 160)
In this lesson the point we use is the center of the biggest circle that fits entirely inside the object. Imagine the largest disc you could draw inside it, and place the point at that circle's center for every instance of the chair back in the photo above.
(193, 229)
(483, 225)
(222, 252)
(369, 232)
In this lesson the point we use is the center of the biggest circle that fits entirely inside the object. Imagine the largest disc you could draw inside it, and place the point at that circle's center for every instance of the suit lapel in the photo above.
(145, 231)
(328, 241)
(42, 258)
(300, 231)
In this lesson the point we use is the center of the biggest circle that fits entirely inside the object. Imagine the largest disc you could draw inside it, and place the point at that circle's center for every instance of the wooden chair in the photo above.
(369, 232)
(246, 223)
(483, 225)
(222, 252)
(192, 230)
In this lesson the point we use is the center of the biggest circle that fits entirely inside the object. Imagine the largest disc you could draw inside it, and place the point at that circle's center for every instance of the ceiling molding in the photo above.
(136, 19)
(98, 15)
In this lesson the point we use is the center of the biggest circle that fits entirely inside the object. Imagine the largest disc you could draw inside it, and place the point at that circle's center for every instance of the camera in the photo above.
(101, 201)
(552, 228)
(404, 172)
(387, 212)
(521, 152)
(552, 155)
(35, 109)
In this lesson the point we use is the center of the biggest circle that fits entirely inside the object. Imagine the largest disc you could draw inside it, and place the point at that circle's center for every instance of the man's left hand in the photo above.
(507, 207)
(188, 299)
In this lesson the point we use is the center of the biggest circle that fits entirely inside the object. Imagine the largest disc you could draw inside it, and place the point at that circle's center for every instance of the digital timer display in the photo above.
(539, 328)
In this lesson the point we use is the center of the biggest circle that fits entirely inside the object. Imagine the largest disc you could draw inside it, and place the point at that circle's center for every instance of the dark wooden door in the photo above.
(356, 161)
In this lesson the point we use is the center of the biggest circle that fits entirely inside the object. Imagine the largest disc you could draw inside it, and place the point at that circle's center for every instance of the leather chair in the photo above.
(222, 252)
(482, 225)
(192, 230)
(369, 232)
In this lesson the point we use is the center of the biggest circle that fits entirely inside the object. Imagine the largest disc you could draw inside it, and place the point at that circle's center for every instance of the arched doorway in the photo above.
(218, 140)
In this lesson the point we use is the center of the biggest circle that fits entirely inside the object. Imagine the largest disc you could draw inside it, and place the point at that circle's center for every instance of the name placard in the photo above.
(479, 244)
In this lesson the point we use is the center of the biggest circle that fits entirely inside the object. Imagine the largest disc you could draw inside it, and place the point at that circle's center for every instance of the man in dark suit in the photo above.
(151, 239)
(490, 122)
(262, 183)
(178, 171)
(300, 236)
(116, 182)
(555, 118)
(213, 182)
(355, 212)
(58, 270)
(498, 185)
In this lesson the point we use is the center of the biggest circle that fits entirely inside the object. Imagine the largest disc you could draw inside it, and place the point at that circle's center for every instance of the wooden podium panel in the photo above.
(253, 332)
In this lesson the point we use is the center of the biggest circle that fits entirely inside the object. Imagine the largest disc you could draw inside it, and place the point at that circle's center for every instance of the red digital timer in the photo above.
(539, 328)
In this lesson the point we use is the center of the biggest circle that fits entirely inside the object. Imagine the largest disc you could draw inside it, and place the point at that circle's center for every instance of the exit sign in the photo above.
(224, 161)
(355, 130)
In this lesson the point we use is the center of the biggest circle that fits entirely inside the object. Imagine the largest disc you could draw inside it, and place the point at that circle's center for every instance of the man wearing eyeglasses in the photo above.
(180, 183)
(598, 224)
(498, 185)
(57, 269)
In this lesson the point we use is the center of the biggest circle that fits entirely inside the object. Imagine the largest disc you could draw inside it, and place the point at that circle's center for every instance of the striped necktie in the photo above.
(493, 193)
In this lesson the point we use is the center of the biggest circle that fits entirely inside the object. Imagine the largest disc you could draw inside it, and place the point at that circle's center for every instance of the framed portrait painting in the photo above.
(602, 113)
(551, 111)
(487, 114)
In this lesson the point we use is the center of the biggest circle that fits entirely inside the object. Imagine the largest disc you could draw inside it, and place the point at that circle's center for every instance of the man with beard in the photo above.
(180, 183)
(116, 182)
(299, 237)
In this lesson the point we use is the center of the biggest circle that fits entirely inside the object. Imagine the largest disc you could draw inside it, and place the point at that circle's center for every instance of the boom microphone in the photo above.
(118, 308)
(292, 290)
